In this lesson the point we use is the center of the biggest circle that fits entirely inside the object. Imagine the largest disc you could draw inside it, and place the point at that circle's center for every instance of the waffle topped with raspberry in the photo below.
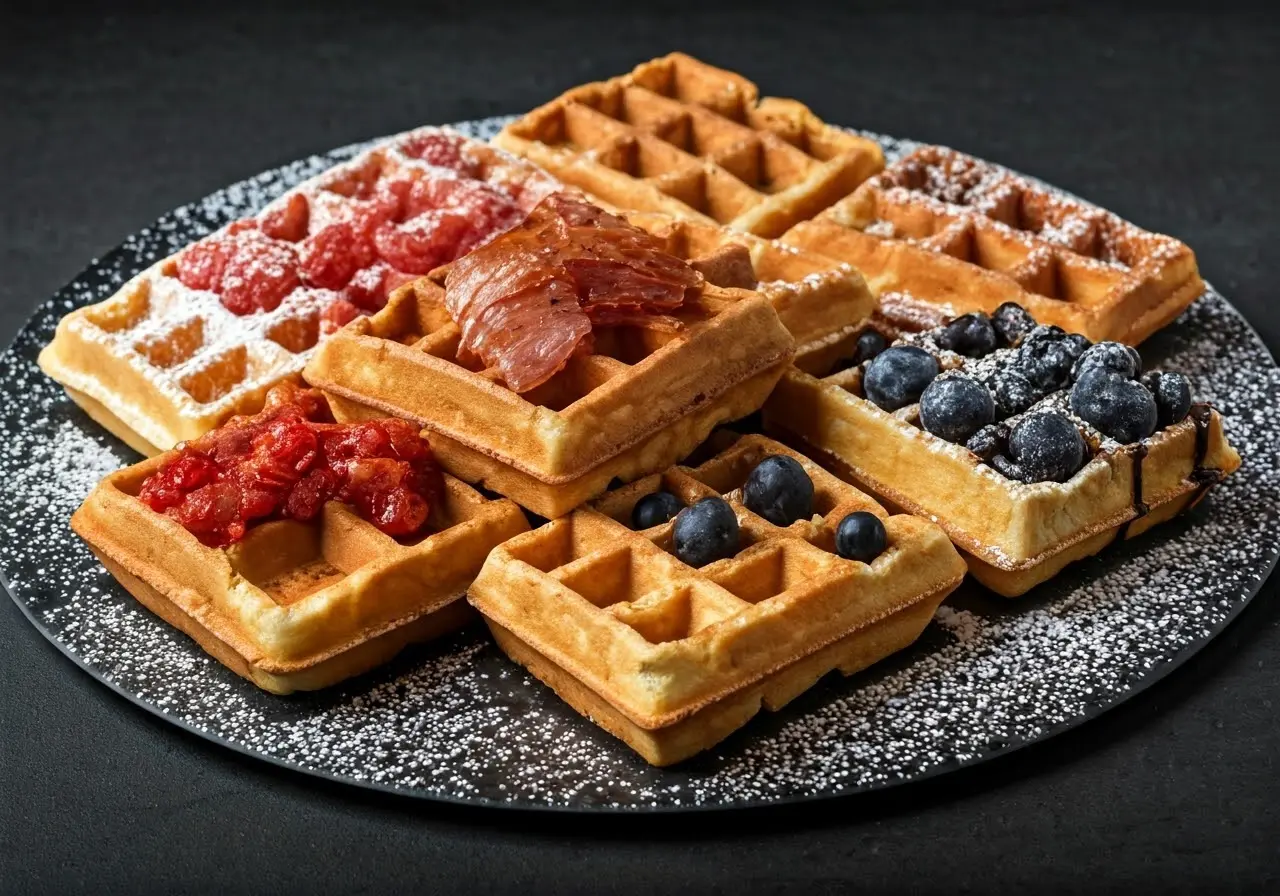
(682, 137)
(297, 551)
(607, 607)
(940, 233)
(205, 333)
(1031, 447)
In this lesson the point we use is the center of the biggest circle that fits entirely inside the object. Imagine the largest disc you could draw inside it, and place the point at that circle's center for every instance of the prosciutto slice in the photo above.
(527, 301)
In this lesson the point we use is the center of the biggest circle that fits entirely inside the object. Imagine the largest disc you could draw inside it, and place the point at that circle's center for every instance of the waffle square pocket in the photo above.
(672, 659)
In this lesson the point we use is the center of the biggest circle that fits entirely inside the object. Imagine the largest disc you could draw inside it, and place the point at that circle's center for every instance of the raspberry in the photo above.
(439, 149)
(422, 243)
(330, 258)
(489, 210)
(259, 274)
(287, 221)
(339, 313)
(201, 264)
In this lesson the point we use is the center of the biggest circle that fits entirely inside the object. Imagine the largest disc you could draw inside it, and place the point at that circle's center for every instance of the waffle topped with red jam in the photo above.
(204, 334)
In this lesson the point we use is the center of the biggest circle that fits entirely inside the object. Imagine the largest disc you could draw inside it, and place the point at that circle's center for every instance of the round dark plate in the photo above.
(455, 721)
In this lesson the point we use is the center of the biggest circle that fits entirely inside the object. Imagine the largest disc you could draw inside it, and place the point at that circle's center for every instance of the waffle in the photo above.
(939, 233)
(297, 606)
(158, 362)
(642, 401)
(679, 136)
(671, 659)
(818, 300)
(1015, 535)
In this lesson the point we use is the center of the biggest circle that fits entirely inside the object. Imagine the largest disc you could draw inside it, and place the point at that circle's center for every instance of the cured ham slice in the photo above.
(527, 301)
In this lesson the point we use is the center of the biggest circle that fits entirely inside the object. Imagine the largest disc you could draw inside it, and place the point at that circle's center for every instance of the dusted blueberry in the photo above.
(1013, 392)
(1045, 361)
(1046, 446)
(897, 376)
(1045, 331)
(779, 490)
(654, 510)
(1077, 344)
(1172, 393)
(870, 344)
(955, 407)
(988, 441)
(861, 536)
(1011, 321)
(1114, 356)
(1115, 406)
(971, 334)
(705, 532)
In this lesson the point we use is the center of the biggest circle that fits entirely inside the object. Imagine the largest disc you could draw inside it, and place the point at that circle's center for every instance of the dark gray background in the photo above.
(1167, 117)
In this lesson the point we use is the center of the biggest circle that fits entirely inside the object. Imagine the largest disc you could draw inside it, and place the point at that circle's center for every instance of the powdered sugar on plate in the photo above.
(455, 720)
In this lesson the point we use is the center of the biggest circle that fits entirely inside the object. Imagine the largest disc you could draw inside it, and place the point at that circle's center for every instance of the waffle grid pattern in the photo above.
(679, 136)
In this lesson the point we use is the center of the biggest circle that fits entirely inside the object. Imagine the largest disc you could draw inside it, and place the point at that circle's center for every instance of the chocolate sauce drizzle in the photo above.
(1206, 478)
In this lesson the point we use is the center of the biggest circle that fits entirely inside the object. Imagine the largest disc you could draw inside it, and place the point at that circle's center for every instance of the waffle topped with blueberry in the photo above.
(1031, 446)
(940, 233)
(675, 607)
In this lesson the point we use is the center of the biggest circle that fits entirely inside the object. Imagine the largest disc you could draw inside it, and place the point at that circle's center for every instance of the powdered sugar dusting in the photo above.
(456, 720)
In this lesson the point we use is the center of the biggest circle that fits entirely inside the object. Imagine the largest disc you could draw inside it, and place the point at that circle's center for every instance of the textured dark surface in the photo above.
(1168, 119)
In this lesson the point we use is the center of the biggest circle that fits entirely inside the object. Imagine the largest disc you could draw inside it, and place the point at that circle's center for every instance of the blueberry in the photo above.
(705, 532)
(1011, 321)
(989, 441)
(897, 376)
(861, 536)
(1013, 392)
(654, 510)
(870, 344)
(1115, 406)
(954, 407)
(971, 334)
(1077, 344)
(779, 490)
(1113, 356)
(1046, 446)
(1045, 331)
(1172, 393)
(1045, 360)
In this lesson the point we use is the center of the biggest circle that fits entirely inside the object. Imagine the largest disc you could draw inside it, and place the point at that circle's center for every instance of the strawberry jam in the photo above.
(286, 462)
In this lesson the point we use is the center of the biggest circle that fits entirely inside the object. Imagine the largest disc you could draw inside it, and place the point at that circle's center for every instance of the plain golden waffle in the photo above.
(818, 300)
(1015, 535)
(682, 137)
(643, 400)
(939, 233)
(297, 606)
(672, 659)
(158, 362)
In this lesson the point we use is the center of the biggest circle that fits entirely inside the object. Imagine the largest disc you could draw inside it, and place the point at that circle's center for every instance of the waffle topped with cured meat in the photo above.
(295, 550)
(682, 137)
(205, 333)
(940, 233)
(1031, 447)
(569, 351)
(671, 658)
